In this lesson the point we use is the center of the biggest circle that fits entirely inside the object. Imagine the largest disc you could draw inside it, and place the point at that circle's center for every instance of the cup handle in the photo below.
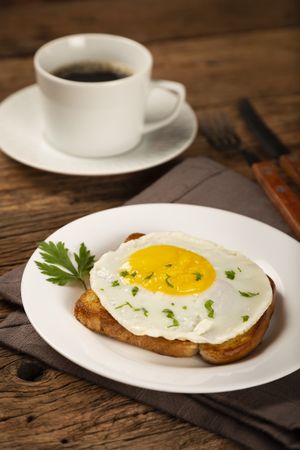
(175, 88)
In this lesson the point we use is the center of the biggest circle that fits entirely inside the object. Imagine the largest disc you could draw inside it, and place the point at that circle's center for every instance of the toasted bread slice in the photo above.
(241, 345)
(90, 312)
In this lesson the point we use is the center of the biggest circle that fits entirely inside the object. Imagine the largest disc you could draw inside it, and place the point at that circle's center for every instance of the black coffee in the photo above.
(91, 72)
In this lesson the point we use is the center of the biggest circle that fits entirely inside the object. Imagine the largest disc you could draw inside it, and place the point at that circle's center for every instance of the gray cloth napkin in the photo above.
(265, 417)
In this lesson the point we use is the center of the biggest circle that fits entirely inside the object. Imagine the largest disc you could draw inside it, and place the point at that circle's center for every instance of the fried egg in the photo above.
(171, 285)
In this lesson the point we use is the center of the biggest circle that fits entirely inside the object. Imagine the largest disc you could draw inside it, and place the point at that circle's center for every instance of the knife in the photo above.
(276, 149)
(267, 173)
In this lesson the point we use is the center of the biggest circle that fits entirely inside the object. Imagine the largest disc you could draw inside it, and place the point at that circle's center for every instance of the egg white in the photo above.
(143, 314)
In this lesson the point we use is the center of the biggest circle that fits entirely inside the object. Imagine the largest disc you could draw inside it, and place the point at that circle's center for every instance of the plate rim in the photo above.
(43, 167)
(155, 385)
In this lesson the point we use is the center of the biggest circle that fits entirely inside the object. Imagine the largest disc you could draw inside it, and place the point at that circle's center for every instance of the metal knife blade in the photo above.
(276, 149)
(273, 145)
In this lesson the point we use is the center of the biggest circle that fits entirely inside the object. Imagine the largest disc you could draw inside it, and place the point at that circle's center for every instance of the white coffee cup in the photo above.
(97, 119)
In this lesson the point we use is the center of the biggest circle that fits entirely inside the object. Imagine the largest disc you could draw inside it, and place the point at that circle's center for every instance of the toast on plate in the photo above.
(90, 312)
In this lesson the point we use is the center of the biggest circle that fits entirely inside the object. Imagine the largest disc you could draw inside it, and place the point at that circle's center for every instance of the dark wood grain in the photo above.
(146, 21)
(60, 411)
(221, 50)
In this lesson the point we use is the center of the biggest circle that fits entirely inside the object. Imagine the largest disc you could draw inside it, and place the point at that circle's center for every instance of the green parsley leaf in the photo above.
(149, 276)
(174, 324)
(239, 269)
(184, 307)
(248, 294)
(245, 318)
(84, 260)
(124, 273)
(124, 304)
(210, 311)
(230, 274)
(146, 312)
(173, 304)
(133, 274)
(56, 274)
(115, 283)
(134, 290)
(167, 280)
(57, 254)
(58, 265)
(198, 276)
(170, 315)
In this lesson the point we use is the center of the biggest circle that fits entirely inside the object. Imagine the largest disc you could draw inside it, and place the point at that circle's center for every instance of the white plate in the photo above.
(50, 307)
(21, 137)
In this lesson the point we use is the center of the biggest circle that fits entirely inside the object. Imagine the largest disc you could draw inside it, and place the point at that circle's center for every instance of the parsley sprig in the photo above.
(59, 267)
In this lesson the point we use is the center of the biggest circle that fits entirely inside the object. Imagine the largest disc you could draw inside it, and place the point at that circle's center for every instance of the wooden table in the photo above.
(221, 50)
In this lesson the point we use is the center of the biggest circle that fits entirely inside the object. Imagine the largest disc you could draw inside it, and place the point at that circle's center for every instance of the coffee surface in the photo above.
(92, 72)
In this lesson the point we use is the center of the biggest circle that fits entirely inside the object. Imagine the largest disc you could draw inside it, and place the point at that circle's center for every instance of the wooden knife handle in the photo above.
(291, 165)
(279, 193)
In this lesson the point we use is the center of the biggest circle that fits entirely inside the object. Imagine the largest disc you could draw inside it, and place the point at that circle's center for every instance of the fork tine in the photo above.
(219, 132)
(230, 128)
(210, 126)
(207, 126)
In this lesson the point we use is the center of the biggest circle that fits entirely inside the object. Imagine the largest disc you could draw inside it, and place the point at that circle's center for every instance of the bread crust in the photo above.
(90, 312)
(240, 346)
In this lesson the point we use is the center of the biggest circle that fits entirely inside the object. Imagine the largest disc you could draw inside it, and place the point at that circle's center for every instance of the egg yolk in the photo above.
(169, 269)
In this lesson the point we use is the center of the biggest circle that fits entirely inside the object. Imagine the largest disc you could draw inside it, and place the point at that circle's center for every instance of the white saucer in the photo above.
(21, 138)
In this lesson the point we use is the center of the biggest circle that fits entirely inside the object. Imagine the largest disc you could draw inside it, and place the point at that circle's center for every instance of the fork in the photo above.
(222, 136)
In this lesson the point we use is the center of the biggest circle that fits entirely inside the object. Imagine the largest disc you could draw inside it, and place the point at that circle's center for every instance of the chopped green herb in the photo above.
(170, 315)
(230, 274)
(124, 273)
(101, 289)
(134, 290)
(174, 324)
(245, 318)
(124, 304)
(184, 307)
(210, 311)
(167, 280)
(198, 276)
(133, 274)
(173, 304)
(149, 276)
(168, 265)
(248, 294)
(146, 312)
(56, 257)
(239, 269)
(115, 283)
